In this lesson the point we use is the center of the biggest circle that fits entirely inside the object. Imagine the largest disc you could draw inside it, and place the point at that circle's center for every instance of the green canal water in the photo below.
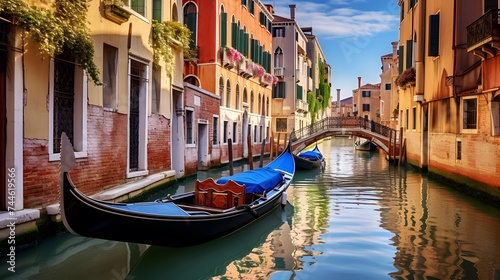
(358, 218)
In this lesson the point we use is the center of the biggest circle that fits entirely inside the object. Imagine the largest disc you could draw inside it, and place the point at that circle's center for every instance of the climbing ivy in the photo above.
(63, 26)
(313, 105)
(163, 33)
(324, 87)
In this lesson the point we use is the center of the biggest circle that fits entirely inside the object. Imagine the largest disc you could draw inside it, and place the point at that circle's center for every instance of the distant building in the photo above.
(342, 108)
(366, 101)
(389, 92)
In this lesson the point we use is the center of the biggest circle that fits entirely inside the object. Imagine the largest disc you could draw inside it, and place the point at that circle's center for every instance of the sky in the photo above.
(353, 35)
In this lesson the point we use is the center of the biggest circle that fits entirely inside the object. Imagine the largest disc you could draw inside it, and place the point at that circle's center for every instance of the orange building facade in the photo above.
(233, 42)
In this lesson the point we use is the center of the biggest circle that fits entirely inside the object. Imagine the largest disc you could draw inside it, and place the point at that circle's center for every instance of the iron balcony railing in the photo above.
(340, 122)
(483, 30)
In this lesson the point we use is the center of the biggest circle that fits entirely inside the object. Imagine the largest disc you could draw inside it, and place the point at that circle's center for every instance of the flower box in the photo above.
(406, 79)
(116, 13)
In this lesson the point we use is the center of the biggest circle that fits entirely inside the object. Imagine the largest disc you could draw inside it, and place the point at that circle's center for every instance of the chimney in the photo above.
(338, 100)
(292, 12)
(359, 82)
(394, 50)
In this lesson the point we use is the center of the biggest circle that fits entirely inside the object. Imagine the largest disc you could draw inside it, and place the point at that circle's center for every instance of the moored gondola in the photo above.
(309, 159)
(213, 210)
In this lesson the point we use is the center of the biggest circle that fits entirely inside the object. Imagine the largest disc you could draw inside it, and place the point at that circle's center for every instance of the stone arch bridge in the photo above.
(384, 137)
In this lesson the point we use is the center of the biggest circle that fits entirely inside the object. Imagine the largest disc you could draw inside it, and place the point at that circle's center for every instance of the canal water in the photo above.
(358, 218)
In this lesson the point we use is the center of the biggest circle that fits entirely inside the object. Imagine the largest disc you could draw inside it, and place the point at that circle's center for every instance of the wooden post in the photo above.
(390, 142)
(230, 153)
(271, 145)
(261, 163)
(395, 144)
(250, 156)
(284, 142)
(400, 144)
(278, 145)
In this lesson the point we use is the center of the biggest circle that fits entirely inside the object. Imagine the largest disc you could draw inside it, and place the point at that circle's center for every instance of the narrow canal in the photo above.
(359, 218)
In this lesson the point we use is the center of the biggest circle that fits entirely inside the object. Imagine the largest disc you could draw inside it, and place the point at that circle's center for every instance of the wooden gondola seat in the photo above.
(210, 194)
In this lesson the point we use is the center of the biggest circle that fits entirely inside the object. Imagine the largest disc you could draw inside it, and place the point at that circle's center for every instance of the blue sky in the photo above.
(353, 35)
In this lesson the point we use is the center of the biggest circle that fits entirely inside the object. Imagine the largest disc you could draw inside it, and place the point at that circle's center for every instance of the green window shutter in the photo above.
(400, 59)
(252, 49)
(234, 34)
(223, 29)
(409, 53)
(247, 52)
(299, 92)
(434, 35)
(240, 40)
(252, 7)
(191, 24)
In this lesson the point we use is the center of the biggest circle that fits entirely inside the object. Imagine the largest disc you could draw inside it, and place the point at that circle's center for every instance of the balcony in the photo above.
(279, 71)
(115, 12)
(483, 35)
(225, 60)
(301, 106)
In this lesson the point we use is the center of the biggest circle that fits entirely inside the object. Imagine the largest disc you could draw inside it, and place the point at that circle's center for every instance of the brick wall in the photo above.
(159, 144)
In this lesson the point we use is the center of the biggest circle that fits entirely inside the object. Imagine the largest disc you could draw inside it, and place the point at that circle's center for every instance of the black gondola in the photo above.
(214, 209)
(309, 159)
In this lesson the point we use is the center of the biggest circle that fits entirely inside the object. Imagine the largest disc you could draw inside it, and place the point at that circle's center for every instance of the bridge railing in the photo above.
(341, 122)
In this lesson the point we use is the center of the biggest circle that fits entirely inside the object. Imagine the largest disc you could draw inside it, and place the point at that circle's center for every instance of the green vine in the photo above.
(65, 26)
(324, 87)
(313, 105)
(166, 35)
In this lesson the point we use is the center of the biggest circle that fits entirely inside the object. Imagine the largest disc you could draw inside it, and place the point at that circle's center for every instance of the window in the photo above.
(228, 94)
(278, 58)
(469, 113)
(223, 28)
(259, 106)
(189, 127)
(409, 54)
(225, 131)
(157, 10)
(255, 134)
(156, 90)
(459, 150)
(260, 134)
(495, 114)
(401, 52)
(137, 5)
(366, 107)
(278, 31)
(215, 131)
(235, 132)
(279, 90)
(109, 76)
(388, 86)
(221, 91)
(251, 102)
(281, 124)
(67, 105)
(407, 118)
(190, 19)
(402, 12)
(434, 35)
(237, 107)
(414, 113)
(366, 93)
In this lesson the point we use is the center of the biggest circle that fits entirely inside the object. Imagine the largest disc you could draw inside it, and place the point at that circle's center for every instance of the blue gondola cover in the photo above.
(256, 181)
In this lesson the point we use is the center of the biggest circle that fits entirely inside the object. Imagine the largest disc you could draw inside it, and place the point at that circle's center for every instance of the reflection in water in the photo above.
(249, 251)
(359, 218)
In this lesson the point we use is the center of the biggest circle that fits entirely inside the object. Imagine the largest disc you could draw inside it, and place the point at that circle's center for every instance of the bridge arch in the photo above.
(383, 136)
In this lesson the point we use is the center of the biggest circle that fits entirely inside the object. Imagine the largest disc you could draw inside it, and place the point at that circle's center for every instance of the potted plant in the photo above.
(114, 11)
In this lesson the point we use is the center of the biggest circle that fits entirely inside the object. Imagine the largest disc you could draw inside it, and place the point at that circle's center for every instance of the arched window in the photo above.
(228, 94)
(251, 102)
(223, 27)
(267, 107)
(278, 58)
(175, 16)
(259, 105)
(237, 105)
(245, 96)
(221, 91)
(190, 19)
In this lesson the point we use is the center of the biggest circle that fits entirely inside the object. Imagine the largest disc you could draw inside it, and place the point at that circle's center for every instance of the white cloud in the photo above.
(331, 21)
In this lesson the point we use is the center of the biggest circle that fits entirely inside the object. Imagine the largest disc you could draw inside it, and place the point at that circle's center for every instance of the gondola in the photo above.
(365, 146)
(214, 209)
(309, 159)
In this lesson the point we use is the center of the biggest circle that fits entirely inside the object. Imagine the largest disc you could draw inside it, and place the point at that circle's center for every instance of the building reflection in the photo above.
(437, 235)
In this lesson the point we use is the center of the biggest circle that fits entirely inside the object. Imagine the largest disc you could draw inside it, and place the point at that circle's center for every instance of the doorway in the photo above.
(203, 157)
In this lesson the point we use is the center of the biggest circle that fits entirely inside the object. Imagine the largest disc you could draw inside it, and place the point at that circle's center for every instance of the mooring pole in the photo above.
(230, 153)
(261, 163)
(250, 156)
